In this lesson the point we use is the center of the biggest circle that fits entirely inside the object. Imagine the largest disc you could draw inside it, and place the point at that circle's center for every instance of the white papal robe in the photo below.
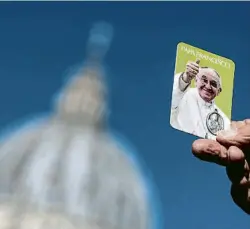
(189, 111)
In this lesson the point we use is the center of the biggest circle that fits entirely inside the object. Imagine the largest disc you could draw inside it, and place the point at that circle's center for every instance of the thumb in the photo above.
(210, 151)
(213, 151)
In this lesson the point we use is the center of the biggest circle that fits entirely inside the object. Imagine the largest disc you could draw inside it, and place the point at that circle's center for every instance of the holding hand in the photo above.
(232, 150)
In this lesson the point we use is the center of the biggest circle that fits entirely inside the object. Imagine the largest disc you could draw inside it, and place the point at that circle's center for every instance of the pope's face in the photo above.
(208, 84)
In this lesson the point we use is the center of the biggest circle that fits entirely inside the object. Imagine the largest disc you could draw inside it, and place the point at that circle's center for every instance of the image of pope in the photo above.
(193, 110)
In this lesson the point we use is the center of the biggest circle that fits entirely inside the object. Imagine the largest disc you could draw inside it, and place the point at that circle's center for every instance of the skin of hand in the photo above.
(231, 150)
(191, 71)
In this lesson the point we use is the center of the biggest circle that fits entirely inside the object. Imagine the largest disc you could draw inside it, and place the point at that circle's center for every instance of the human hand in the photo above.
(191, 71)
(232, 150)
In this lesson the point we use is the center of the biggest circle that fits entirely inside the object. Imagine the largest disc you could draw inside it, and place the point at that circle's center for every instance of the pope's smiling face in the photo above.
(208, 84)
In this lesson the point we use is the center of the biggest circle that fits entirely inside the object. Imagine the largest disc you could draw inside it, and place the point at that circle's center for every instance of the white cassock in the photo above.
(189, 111)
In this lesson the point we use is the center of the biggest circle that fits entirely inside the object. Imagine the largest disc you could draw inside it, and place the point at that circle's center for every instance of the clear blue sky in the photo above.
(39, 41)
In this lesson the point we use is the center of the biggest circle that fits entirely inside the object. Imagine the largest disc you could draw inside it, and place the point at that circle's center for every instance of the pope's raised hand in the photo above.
(232, 150)
(191, 71)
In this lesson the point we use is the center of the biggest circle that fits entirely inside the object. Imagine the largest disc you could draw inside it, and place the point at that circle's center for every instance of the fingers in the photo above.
(235, 155)
(191, 71)
(192, 68)
(238, 135)
(238, 173)
(240, 195)
(232, 149)
(233, 158)
(237, 168)
(210, 151)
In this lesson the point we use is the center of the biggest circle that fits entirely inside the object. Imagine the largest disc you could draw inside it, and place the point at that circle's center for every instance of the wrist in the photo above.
(185, 78)
(183, 85)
